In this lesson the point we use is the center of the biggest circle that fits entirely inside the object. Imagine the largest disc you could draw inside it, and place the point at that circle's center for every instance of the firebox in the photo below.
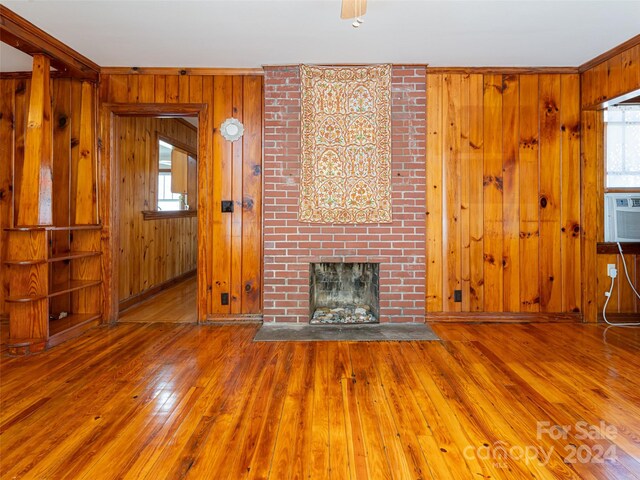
(344, 293)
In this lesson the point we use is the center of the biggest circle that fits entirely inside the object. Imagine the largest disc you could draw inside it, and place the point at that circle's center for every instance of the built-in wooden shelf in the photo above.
(58, 289)
(611, 248)
(25, 299)
(53, 269)
(60, 257)
(72, 286)
(59, 325)
(25, 262)
(51, 228)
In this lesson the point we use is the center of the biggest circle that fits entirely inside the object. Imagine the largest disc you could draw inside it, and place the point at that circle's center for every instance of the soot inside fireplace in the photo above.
(344, 293)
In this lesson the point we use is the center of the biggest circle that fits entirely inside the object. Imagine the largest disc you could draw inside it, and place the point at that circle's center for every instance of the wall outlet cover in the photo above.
(227, 206)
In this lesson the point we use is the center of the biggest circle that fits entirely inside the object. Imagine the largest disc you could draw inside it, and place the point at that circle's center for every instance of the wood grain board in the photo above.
(503, 221)
(616, 75)
(622, 299)
(151, 252)
(230, 245)
(34, 200)
(73, 104)
(612, 77)
(176, 304)
(514, 133)
(51, 276)
(155, 405)
(28, 38)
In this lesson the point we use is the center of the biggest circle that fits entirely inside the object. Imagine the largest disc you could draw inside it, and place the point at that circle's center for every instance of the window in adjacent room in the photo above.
(622, 147)
(174, 176)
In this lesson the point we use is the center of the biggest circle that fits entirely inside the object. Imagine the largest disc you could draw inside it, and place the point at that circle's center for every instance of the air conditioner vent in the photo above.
(622, 217)
(628, 225)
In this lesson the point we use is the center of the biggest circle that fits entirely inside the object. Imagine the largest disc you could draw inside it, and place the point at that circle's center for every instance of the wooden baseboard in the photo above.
(234, 318)
(131, 301)
(502, 317)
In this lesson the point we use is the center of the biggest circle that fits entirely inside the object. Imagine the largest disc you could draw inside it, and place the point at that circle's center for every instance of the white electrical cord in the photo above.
(608, 294)
(624, 264)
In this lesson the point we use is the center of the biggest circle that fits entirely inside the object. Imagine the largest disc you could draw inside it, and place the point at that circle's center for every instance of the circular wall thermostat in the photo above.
(232, 129)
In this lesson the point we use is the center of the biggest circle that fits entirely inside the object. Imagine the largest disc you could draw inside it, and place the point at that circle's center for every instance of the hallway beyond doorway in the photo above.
(173, 305)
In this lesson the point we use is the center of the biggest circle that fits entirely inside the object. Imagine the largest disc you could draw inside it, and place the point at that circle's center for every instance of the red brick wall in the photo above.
(290, 246)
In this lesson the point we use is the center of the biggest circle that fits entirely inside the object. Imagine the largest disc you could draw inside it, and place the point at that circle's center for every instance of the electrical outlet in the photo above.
(224, 299)
(227, 206)
(611, 270)
(457, 295)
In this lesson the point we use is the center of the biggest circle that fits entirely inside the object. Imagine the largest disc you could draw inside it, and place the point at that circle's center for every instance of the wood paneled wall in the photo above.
(230, 245)
(68, 165)
(503, 192)
(612, 78)
(592, 207)
(623, 300)
(151, 252)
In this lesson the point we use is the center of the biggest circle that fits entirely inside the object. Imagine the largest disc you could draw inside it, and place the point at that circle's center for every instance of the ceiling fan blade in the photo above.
(353, 8)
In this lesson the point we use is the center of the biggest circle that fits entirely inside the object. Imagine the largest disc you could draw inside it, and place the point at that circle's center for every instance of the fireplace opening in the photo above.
(344, 293)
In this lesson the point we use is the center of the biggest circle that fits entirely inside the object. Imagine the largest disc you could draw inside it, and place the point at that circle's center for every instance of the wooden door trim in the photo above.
(109, 174)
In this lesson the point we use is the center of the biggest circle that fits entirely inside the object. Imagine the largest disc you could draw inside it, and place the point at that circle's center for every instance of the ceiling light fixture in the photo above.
(354, 9)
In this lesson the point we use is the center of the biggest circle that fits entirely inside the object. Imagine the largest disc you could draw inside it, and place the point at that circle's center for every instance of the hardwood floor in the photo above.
(4, 336)
(159, 400)
(173, 305)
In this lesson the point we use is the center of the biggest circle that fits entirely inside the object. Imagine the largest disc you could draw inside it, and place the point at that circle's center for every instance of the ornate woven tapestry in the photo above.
(346, 144)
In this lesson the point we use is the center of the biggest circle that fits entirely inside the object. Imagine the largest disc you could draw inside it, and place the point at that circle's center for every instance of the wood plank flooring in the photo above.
(4, 336)
(159, 400)
(176, 304)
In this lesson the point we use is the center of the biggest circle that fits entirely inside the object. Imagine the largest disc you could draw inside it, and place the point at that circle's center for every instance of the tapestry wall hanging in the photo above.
(346, 144)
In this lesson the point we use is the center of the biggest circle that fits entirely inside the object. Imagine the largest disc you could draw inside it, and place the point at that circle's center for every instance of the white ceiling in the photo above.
(192, 120)
(13, 60)
(243, 33)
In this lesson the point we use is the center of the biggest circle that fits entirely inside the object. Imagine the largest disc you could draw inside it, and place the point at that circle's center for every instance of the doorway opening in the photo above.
(157, 194)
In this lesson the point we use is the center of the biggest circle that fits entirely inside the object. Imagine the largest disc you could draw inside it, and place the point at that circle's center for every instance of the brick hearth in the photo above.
(290, 246)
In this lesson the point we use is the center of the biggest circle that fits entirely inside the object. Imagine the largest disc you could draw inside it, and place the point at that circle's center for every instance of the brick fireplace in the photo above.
(291, 248)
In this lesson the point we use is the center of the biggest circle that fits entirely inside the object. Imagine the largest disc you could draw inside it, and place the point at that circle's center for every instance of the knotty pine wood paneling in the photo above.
(623, 300)
(73, 173)
(503, 193)
(592, 197)
(230, 245)
(151, 252)
(8, 137)
(611, 78)
(36, 180)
